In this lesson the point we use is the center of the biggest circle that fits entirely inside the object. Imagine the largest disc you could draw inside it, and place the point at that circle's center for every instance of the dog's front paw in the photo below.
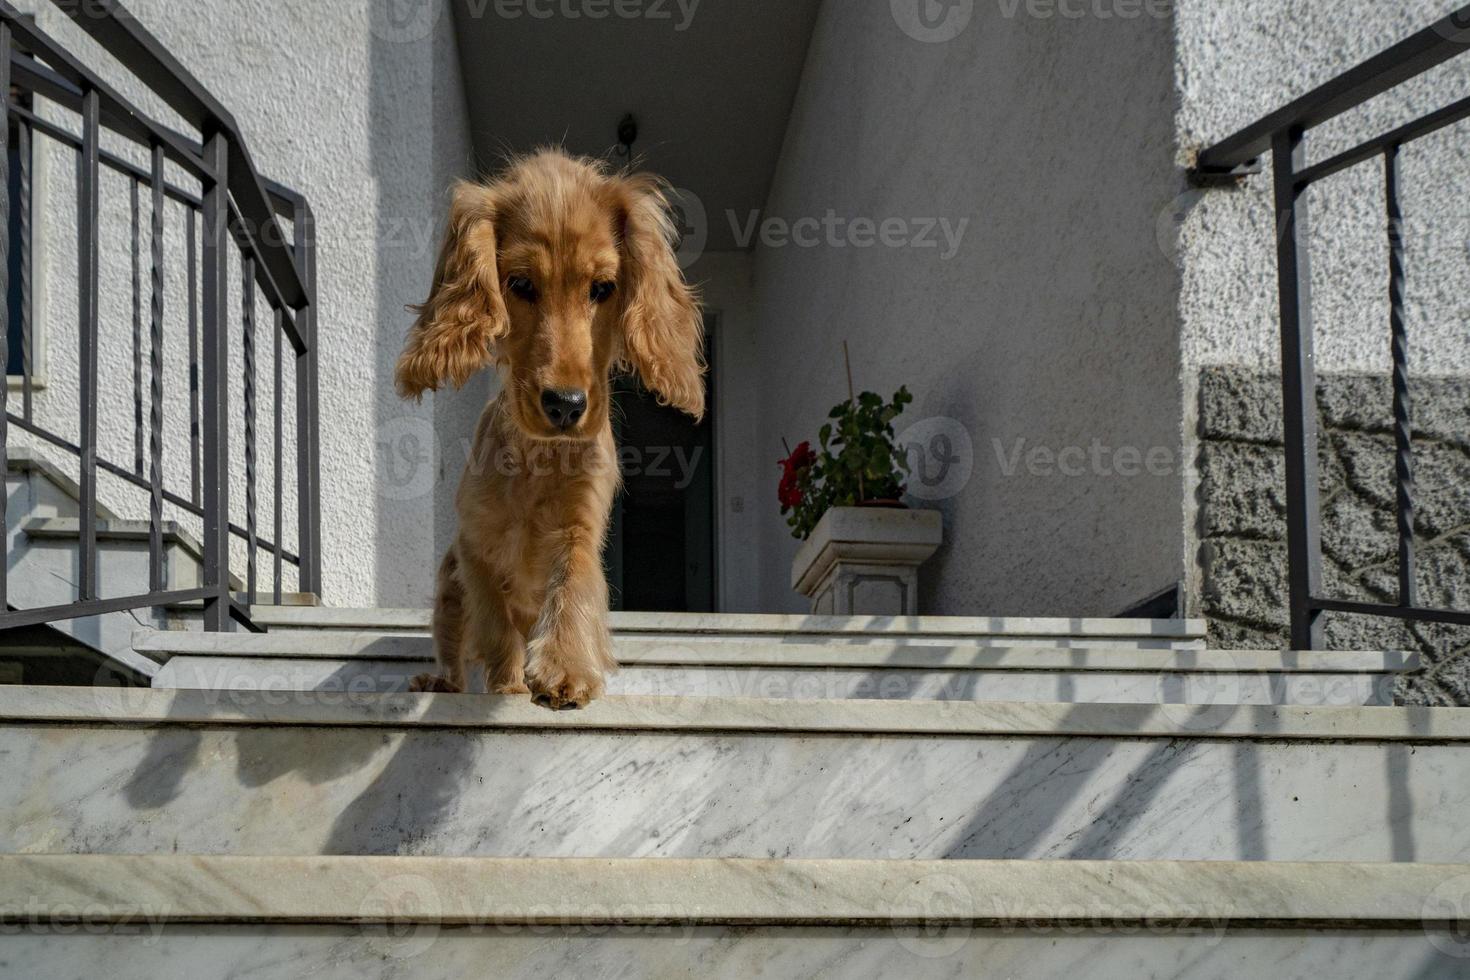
(433, 683)
(561, 688)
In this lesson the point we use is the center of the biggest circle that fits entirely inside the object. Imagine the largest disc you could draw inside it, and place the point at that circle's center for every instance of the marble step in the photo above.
(1024, 950)
(669, 891)
(344, 660)
(154, 771)
(994, 630)
(328, 917)
(602, 891)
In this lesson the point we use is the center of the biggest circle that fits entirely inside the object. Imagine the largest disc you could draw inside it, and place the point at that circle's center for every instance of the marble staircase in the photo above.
(786, 796)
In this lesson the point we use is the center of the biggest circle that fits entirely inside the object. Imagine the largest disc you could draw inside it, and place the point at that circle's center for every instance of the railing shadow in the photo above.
(420, 768)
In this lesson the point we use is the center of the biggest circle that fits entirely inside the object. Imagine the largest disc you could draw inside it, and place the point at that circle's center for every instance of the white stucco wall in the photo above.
(1054, 321)
(365, 115)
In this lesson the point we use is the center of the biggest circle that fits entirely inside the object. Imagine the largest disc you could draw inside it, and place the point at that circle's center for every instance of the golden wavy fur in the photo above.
(557, 271)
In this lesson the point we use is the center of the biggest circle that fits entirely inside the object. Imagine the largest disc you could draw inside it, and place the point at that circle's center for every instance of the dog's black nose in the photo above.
(564, 406)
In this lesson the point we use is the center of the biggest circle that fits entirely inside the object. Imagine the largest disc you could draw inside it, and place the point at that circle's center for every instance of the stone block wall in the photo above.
(1242, 517)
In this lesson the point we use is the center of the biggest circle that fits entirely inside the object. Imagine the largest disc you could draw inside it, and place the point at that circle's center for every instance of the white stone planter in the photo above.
(865, 560)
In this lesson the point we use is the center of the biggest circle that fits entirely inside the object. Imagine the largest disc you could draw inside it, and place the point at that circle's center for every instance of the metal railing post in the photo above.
(87, 286)
(280, 524)
(5, 289)
(156, 577)
(247, 350)
(1299, 388)
(191, 259)
(27, 359)
(214, 367)
(139, 440)
(1403, 425)
(308, 463)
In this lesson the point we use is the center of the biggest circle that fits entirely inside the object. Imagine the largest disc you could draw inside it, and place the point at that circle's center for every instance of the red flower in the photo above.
(793, 473)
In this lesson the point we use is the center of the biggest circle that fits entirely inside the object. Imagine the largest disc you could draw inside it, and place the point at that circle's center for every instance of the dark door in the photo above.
(661, 545)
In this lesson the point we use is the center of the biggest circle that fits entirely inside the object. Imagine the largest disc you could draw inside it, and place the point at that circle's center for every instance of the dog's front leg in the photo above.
(448, 629)
(570, 651)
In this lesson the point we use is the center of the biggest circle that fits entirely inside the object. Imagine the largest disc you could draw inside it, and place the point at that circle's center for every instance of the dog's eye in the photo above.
(602, 290)
(522, 287)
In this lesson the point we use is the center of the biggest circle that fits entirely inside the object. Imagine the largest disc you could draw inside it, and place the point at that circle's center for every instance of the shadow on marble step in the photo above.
(784, 651)
(1161, 631)
(1024, 949)
(1082, 685)
(343, 660)
(151, 771)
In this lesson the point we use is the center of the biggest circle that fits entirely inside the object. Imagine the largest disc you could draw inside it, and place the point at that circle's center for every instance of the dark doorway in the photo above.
(661, 546)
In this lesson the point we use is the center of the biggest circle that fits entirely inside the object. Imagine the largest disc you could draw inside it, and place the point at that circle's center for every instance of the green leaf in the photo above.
(857, 459)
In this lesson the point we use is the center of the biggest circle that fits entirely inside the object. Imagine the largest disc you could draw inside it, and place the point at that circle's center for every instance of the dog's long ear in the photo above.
(464, 315)
(663, 331)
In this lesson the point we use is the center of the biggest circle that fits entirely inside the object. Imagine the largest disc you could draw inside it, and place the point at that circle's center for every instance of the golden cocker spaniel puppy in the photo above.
(558, 272)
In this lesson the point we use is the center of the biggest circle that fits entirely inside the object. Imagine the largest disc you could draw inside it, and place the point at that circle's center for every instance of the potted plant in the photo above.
(862, 547)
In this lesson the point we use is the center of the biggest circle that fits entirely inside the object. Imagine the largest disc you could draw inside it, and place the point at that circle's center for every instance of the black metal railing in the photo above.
(231, 204)
(1283, 134)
